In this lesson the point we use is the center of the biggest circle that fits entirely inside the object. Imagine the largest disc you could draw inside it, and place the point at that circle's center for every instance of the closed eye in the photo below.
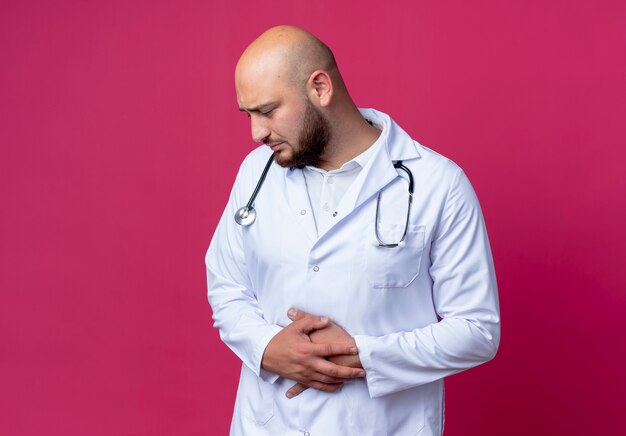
(265, 110)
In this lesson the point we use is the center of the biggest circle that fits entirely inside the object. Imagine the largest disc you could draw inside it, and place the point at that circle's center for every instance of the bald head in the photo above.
(288, 53)
(289, 85)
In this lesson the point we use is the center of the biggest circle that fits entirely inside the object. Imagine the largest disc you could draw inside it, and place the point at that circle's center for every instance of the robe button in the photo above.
(316, 268)
(303, 212)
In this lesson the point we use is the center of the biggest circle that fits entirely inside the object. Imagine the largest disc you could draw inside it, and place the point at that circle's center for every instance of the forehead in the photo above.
(259, 83)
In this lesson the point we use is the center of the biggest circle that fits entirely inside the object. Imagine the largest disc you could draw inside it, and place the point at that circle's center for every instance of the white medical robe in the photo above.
(418, 313)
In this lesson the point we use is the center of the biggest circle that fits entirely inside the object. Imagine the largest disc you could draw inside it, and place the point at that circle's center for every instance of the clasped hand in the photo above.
(313, 351)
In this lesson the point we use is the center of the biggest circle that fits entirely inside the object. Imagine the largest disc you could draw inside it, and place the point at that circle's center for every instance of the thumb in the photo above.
(297, 314)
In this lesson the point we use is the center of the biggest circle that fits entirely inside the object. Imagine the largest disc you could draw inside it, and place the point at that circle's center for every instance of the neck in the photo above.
(349, 138)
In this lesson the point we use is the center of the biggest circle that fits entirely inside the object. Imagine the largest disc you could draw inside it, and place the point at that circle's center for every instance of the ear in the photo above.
(320, 88)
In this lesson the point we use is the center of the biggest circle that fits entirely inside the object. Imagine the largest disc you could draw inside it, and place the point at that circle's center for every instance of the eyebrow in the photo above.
(258, 108)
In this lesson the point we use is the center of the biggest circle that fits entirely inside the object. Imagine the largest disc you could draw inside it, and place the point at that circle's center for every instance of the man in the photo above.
(347, 302)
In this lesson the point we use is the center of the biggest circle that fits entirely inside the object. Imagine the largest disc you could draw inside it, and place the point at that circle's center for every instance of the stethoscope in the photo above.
(246, 215)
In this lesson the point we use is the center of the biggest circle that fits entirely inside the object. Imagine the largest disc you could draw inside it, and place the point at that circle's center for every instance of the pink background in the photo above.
(120, 138)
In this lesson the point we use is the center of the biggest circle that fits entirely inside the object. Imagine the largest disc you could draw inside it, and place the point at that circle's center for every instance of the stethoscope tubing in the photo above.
(260, 183)
(246, 215)
(379, 242)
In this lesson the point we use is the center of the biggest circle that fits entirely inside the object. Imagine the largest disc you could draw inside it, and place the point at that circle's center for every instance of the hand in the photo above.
(292, 355)
(330, 334)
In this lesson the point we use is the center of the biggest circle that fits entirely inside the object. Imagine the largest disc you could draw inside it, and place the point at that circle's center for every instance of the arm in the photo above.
(236, 312)
(267, 349)
(465, 296)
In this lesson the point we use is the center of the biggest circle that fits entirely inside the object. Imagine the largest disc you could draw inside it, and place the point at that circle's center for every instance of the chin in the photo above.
(283, 158)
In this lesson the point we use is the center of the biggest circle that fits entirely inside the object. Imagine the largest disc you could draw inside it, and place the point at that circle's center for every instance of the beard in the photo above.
(312, 140)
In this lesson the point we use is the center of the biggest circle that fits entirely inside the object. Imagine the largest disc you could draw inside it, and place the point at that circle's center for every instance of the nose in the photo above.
(260, 131)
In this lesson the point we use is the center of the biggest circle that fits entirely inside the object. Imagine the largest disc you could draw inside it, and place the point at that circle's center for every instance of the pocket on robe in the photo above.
(255, 400)
(395, 267)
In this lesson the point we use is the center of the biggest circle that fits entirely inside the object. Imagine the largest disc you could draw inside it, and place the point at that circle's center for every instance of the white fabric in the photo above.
(417, 313)
(326, 188)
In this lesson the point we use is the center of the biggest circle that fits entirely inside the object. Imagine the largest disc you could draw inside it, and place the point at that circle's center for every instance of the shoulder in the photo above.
(460, 193)
(435, 166)
(257, 157)
(254, 162)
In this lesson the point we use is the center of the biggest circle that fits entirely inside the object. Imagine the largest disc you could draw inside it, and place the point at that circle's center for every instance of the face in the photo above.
(312, 139)
(282, 117)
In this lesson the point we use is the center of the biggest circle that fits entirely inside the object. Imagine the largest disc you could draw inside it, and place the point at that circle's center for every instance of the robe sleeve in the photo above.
(466, 300)
(236, 311)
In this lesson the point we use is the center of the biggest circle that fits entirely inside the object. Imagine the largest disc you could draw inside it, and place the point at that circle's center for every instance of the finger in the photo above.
(308, 324)
(296, 390)
(339, 372)
(334, 349)
(316, 376)
(297, 314)
(327, 379)
(324, 387)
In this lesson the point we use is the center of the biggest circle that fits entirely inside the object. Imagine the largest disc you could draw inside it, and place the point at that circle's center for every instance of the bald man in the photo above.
(366, 276)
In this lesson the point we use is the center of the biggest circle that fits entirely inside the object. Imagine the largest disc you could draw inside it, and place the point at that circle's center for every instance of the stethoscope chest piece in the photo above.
(245, 216)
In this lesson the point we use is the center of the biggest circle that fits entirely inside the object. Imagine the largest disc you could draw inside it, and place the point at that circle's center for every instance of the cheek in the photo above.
(288, 131)
(295, 120)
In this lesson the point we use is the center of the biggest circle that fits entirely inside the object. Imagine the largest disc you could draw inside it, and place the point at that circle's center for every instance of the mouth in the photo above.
(275, 146)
